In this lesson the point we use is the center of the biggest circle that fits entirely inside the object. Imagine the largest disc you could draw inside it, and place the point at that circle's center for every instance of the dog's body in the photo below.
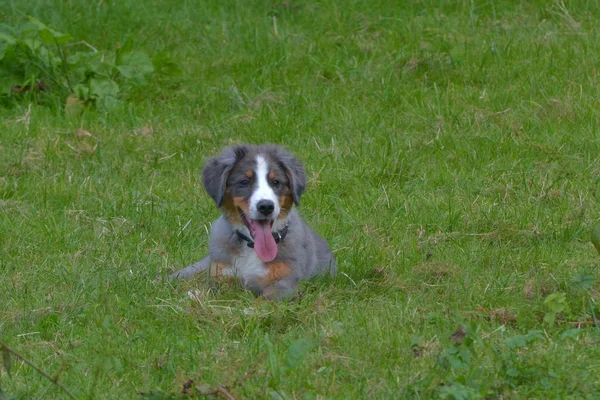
(260, 239)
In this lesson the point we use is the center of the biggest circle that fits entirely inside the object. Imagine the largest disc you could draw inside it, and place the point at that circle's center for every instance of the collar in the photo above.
(278, 236)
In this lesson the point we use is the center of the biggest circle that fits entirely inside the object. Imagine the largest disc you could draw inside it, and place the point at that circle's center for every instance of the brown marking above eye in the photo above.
(272, 175)
(249, 173)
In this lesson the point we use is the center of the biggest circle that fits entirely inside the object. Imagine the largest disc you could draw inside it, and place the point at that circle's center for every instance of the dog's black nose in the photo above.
(265, 207)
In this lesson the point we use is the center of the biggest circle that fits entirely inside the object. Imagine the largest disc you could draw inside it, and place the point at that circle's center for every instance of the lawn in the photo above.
(453, 157)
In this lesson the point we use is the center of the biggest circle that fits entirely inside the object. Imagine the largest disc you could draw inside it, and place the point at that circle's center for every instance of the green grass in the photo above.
(453, 156)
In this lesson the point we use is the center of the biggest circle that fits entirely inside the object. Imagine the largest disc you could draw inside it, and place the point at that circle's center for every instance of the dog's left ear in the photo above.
(295, 172)
(217, 170)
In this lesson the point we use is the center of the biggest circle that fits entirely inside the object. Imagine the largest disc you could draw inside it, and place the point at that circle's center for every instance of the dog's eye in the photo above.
(244, 182)
(275, 182)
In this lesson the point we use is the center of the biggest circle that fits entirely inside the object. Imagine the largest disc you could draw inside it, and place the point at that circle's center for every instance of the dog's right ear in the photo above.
(295, 171)
(217, 170)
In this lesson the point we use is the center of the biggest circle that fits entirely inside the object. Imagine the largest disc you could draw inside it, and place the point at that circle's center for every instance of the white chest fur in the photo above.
(247, 267)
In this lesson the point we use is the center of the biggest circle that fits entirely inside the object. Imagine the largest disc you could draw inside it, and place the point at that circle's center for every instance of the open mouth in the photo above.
(264, 242)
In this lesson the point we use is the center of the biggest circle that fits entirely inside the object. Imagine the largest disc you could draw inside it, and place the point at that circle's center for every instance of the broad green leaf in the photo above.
(557, 302)
(39, 25)
(81, 91)
(82, 57)
(8, 82)
(136, 58)
(32, 44)
(165, 65)
(415, 341)
(78, 74)
(596, 236)
(519, 341)
(107, 103)
(135, 65)
(516, 342)
(48, 35)
(297, 351)
(29, 29)
(123, 48)
(534, 335)
(99, 68)
(7, 42)
(585, 280)
(6, 38)
(103, 87)
(4, 48)
(549, 318)
(48, 56)
(7, 29)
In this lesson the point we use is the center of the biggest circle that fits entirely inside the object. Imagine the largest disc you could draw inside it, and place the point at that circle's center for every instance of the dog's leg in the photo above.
(221, 273)
(280, 290)
(278, 284)
(192, 270)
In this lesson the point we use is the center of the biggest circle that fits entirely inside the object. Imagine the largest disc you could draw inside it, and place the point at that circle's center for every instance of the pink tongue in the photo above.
(264, 243)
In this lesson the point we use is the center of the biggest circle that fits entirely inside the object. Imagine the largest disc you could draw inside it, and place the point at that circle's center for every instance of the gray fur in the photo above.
(191, 270)
(303, 250)
(217, 170)
(295, 169)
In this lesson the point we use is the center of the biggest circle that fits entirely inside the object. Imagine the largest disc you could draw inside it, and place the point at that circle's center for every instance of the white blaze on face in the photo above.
(263, 191)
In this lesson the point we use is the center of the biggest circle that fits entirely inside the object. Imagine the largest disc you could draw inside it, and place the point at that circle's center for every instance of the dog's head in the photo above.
(255, 186)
